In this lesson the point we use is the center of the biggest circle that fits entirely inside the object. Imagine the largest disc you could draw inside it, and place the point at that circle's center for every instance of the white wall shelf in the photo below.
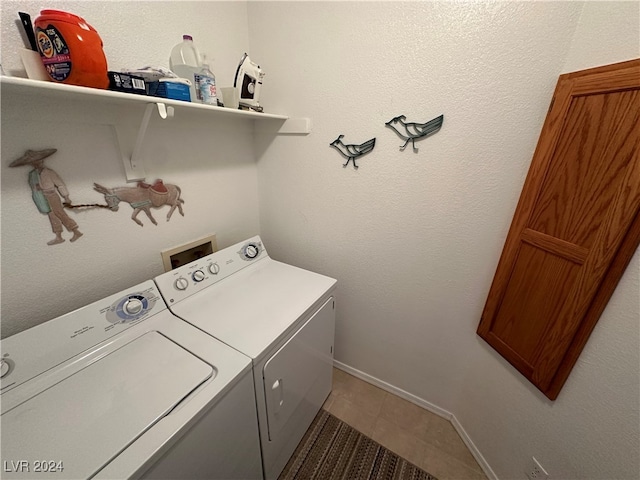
(167, 108)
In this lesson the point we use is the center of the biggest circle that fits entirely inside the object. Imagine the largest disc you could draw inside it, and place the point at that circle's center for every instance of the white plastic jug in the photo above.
(185, 62)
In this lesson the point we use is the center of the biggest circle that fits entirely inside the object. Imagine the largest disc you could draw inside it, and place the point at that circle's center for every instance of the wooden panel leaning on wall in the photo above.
(575, 229)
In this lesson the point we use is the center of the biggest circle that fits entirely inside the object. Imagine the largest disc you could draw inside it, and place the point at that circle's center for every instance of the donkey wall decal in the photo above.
(142, 197)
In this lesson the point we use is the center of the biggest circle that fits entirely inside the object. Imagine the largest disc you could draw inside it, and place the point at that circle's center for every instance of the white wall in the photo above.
(606, 33)
(593, 429)
(414, 239)
(211, 160)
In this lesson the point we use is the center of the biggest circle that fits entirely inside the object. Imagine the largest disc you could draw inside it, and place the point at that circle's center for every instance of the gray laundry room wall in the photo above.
(210, 159)
(414, 238)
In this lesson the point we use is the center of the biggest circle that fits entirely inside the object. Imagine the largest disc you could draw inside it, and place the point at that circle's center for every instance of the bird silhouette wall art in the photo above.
(412, 131)
(352, 151)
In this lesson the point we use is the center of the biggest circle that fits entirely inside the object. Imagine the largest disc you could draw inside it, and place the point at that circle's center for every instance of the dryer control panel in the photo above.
(38, 349)
(184, 281)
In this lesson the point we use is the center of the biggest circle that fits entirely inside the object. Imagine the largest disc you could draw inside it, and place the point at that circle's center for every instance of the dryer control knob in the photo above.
(251, 251)
(214, 268)
(4, 369)
(133, 306)
(198, 276)
(181, 283)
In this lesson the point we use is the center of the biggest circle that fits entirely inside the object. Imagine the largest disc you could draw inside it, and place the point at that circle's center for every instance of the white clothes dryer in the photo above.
(121, 388)
(281, 316)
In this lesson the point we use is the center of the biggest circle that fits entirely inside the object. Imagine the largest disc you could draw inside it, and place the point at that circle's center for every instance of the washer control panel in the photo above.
(38, 349)
(186, 280)
(130, 307)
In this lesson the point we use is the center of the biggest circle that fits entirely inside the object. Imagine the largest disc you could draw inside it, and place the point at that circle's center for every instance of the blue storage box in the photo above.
(173, 90)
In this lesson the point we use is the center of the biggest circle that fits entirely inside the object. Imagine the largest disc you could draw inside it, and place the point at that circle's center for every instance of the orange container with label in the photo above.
(71, 49)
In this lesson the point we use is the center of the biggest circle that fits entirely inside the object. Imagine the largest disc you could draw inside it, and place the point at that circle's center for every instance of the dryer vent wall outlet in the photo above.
(183, 254)
(535, 471)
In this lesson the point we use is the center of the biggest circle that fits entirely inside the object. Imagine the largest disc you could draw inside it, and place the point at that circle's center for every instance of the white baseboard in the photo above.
(441, 412)
(486, 468)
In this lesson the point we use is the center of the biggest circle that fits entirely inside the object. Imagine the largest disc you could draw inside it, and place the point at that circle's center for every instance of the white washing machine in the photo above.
(124, 389)
(281, 316)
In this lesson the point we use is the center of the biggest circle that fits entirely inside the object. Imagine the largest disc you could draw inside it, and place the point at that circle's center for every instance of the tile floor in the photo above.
(423, 438)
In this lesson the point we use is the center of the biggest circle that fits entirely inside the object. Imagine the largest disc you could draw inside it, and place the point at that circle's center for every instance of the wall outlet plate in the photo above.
(535, 471)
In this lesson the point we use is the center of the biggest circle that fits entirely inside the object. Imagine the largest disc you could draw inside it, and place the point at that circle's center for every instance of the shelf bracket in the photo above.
(290, 126)
(134, 164)
(296, 126)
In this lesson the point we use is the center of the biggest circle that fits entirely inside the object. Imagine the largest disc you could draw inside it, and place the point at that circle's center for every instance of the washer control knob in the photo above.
(214, 269)
(4, 367)
(251, 251)
(181, 283)
(133, 306)
(198, 276)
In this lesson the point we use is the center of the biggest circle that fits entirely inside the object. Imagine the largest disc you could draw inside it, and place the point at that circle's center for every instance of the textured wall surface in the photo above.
(593, 429)
(211, 160)
(606, 33)
(414, 239)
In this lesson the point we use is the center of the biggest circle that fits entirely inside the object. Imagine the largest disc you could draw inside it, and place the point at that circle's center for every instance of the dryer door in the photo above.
(298, 376)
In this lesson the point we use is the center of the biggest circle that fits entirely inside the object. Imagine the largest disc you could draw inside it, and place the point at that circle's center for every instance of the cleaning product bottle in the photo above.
(185, 62)
(206, 82)
(71, 49)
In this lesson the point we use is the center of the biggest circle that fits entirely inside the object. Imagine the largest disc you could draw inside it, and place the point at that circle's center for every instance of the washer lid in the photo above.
(87, 419)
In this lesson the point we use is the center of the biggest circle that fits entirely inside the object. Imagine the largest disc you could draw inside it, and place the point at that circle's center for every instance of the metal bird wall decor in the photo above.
(352, 151)
(412, 131)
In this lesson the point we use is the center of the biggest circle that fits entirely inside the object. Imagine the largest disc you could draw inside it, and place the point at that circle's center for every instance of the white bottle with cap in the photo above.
(185, 62)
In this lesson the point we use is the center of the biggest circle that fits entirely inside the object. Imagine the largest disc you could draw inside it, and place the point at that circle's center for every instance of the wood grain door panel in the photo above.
(535, 291)
(575, 227)
(623, 210)
(591, 156)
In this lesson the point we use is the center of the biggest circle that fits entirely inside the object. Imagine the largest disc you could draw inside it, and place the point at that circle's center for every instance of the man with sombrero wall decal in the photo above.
(46, 188)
